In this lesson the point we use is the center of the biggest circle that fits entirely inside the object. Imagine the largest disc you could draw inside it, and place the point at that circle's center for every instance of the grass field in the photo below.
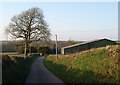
(98, 65)
(12, 54)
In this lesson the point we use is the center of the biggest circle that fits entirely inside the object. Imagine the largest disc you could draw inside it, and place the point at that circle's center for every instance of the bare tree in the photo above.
(30, 26)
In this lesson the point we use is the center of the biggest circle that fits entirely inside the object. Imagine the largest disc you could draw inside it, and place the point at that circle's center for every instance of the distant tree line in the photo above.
(8, 46)
(37, 47)
(42, 49)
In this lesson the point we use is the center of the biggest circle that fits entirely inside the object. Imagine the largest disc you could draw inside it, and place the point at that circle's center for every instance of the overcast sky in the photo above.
(70, 20)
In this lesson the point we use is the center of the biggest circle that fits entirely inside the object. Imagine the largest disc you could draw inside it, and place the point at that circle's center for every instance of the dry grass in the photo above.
(98, 65)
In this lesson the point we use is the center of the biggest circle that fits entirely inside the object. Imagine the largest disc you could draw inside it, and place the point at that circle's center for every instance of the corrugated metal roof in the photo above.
(85, 43)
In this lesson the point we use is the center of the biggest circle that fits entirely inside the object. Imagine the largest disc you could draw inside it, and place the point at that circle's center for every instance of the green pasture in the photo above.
(12, 54)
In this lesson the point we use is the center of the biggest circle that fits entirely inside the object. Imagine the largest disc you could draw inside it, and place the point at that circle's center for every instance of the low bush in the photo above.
(15, 69)
(44, 49)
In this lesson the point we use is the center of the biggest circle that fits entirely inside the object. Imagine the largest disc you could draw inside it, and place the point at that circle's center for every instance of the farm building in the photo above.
(86, 45)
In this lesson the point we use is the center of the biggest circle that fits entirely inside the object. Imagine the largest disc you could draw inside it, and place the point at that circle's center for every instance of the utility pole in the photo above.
(56, 48)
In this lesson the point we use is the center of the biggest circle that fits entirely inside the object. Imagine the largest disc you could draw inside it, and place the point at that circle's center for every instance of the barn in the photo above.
(87, 45)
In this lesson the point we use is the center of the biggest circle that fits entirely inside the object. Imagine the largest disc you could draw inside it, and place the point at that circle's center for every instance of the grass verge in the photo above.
(98, 65)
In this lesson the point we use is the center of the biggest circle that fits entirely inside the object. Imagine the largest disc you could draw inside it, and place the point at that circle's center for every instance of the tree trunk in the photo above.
(26, 49)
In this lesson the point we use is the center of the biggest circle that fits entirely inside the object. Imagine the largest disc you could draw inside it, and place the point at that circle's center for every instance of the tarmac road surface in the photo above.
(40, 74)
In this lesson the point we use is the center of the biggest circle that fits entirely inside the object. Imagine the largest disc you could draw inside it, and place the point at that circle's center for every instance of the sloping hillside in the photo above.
(98, 65)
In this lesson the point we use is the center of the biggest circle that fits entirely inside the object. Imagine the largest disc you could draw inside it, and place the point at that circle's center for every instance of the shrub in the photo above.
(44, 49)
